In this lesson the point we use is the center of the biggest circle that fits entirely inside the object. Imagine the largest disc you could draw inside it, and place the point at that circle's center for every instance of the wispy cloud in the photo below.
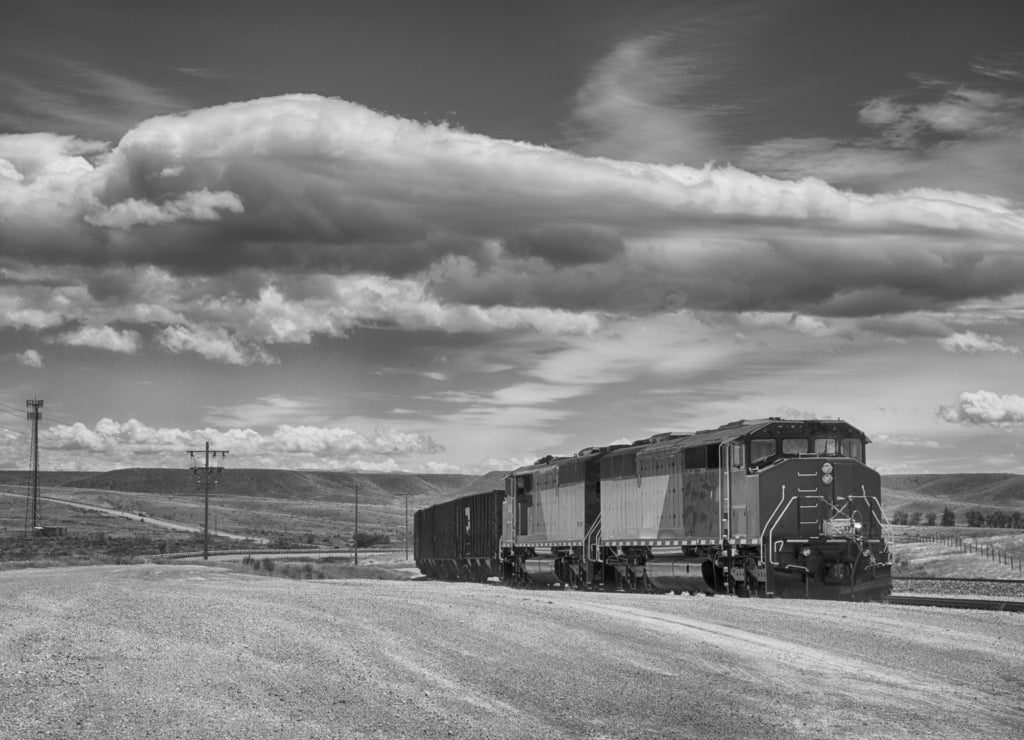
(49, 93)
(901, 440)
(635, 105)
(947, 134)
(269, 411)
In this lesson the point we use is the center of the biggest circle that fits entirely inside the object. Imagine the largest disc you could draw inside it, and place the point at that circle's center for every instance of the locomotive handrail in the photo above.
(782, 499)
(883, 520)
(590, 540)
(771, 533)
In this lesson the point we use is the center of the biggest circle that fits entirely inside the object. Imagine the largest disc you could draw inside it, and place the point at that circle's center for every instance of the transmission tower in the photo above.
(205, 476)
(34, 415)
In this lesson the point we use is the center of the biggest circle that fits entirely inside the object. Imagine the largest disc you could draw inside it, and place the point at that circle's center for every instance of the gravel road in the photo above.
(184, 651)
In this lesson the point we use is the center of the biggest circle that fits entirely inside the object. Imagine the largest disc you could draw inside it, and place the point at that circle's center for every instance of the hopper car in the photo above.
(768, 507)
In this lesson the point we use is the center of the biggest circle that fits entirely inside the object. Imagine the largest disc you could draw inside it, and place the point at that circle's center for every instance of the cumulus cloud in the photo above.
(970, 342)
(102, 337)
(984, 407)
(29, 358)
(285, 446)
(29, 307)
(201, 205)
(213, 343)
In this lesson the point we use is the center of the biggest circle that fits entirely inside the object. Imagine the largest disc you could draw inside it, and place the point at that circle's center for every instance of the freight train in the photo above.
(768, 507)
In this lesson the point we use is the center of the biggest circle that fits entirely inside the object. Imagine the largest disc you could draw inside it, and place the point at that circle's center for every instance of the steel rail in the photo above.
(957, 580)
(1000, 605)
(327, 552)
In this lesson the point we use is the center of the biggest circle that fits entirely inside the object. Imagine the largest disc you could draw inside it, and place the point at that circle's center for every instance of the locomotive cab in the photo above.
(822, 529)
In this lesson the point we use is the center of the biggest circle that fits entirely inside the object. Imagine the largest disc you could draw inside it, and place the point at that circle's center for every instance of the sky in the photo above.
(453, 237)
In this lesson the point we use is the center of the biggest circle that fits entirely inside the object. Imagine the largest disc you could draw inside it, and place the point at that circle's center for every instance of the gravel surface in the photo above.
(1011, 590)
(181, 651)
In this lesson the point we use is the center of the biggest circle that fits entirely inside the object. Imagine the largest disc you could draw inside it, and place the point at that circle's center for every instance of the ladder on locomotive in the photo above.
(808, 510)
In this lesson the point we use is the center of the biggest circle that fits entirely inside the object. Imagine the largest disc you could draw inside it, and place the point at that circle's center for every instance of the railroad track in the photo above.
(295, 552)
(1000, 605)
(958, 580)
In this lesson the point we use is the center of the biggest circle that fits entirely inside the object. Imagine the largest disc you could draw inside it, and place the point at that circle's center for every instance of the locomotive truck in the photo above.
(767, 507)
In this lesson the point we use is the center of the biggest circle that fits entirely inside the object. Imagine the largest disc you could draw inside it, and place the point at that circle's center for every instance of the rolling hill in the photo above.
(960, 492)
(320, 504)
(303, 485)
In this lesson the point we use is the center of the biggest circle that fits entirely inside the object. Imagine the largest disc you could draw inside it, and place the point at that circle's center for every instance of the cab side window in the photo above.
(853, 448)
(761, 450)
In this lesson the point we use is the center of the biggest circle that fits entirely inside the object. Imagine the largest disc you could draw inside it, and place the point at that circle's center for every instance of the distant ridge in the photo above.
(306, 485)
(959, 491)
(910, 492)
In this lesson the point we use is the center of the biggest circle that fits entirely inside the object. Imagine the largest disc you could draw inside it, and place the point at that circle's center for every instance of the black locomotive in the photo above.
(770, 507)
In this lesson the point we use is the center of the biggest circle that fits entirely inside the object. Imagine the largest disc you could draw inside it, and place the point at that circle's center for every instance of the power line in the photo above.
(17, 413)
(56, 420)
(16, 431)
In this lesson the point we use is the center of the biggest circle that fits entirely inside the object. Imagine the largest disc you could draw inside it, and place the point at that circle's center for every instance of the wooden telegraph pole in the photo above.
(206, 476)
(34, 415)
(406, 497)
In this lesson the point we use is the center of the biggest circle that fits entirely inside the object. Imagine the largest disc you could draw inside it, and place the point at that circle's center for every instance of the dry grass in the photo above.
(940, 559)
(382, 567)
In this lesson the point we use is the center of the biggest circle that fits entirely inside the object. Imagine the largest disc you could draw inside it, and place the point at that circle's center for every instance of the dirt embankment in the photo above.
(191, 651)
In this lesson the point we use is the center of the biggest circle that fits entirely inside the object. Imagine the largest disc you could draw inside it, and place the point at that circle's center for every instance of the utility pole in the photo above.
(355, 539)
(406, 496)
(34, 416)
(204, 476)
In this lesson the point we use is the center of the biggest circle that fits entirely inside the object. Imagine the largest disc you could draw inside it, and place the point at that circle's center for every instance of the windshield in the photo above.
(794, 446)
(825, 446)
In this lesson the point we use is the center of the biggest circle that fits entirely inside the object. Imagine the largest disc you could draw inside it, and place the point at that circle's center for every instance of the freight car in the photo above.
(769, 507)
(459, 539)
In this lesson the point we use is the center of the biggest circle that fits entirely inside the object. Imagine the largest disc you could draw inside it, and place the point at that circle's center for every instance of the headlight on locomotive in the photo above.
(805, 552)
(826, 473)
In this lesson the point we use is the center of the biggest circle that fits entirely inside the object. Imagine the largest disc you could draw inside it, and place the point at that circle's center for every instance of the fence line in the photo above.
(992, 553)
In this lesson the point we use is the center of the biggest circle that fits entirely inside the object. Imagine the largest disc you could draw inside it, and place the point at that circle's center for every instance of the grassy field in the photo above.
(288, 508)
(375, 566)
(943, 558)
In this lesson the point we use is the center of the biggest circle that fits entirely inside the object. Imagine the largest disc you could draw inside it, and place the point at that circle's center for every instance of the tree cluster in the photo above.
(972, 518)
(369, 539)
